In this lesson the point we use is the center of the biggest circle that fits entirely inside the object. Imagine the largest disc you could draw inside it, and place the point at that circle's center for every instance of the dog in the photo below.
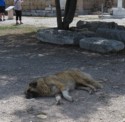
(60, 84)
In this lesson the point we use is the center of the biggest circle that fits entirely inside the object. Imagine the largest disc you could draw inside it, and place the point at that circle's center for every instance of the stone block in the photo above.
(26, 13)
(94, 25)
(80, 35)
(54, 8)
(56, 36)
(118, 12)
(48, 8)
(111, 34)
(50, 14)
(101, 45)
(43, 14)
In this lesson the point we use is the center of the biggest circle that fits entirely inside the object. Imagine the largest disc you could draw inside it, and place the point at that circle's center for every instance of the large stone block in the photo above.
(118, 12)
(56, 36)
(53, 35)
(80, 35)
(94, 25)
(111, 34)
(101, 45)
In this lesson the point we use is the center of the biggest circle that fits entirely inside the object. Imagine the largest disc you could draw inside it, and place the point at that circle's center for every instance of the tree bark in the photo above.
(59, 15)
(70, 8)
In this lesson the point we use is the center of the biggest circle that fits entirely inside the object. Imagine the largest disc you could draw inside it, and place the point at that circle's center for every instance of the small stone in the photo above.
(115, 87)
(42, 116)
(123, 120)
(4, 102)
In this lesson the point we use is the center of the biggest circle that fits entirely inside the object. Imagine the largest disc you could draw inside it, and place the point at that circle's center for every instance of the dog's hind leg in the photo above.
(91, 86)
(58, 99)
(86, 83)
(85, 88)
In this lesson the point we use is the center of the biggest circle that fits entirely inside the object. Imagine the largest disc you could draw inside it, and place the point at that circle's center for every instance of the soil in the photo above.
(23, 58)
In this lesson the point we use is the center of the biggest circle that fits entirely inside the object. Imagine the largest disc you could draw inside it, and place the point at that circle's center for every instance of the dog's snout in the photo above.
(28, 97)
(27, 94)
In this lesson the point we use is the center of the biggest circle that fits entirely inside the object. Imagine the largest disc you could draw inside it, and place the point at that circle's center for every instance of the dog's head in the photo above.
(32, 91)
(38, 88)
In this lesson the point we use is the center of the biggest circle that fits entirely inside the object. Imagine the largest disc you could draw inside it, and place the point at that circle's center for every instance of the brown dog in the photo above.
(62, 83)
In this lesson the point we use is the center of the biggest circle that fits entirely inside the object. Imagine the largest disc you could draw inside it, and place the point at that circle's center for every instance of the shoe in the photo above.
(21, 23)
(0, 19)
(3, 19)
(17, 23)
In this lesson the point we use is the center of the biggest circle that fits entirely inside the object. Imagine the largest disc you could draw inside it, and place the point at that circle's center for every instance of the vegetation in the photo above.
(13, 29)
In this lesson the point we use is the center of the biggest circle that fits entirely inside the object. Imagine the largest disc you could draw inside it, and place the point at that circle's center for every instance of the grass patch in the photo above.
(20, 29)
(2, 28)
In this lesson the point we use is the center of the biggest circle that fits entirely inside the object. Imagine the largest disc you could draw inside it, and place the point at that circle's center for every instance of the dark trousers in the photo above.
(2, 9)
(18, 14)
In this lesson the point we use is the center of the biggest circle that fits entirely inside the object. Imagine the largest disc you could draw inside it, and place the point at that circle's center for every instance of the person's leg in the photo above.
(3, 13)
(0, 13)
(3, 16)
(20, 17)
(17, 14)
(0, 16)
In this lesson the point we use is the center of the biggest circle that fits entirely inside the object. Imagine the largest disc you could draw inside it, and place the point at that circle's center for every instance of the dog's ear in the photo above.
(33, 84)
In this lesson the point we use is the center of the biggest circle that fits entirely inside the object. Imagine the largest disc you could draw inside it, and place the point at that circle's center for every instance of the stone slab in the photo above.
(56, 36)
(53, 35)
(111, 34)
(101, 45)
(94, 25)
(118, 12)
(9, 8)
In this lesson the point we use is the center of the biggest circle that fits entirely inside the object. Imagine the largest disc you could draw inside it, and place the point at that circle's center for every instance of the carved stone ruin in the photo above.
(119, 12)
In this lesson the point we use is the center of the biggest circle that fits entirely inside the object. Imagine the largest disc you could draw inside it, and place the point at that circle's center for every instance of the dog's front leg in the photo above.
(66, 95)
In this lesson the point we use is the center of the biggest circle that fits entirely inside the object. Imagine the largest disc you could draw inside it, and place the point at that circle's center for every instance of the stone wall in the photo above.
(37, 7)
(83, 6)
(33, 4)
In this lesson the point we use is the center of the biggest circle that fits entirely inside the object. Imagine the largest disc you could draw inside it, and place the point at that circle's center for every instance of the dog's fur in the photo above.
(62, 83)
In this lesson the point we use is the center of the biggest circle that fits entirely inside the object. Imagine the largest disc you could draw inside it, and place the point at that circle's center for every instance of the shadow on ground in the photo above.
(23, 57)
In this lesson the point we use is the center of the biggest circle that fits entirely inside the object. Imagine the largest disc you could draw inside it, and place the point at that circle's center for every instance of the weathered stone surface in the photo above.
(44, 13)
(94, 25)
(56, 36)
(80, 35)
(62, 37)
(86, 40)
(101, 45)
(111, 34)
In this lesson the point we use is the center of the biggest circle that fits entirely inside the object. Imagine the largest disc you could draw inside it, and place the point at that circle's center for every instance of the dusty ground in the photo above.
(23, 57)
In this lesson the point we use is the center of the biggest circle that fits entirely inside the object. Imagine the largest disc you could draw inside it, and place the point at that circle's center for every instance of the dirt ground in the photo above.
(23, 58)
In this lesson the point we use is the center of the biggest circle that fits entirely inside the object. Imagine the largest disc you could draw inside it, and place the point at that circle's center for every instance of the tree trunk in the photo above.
(70, 8)
(58, 13)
